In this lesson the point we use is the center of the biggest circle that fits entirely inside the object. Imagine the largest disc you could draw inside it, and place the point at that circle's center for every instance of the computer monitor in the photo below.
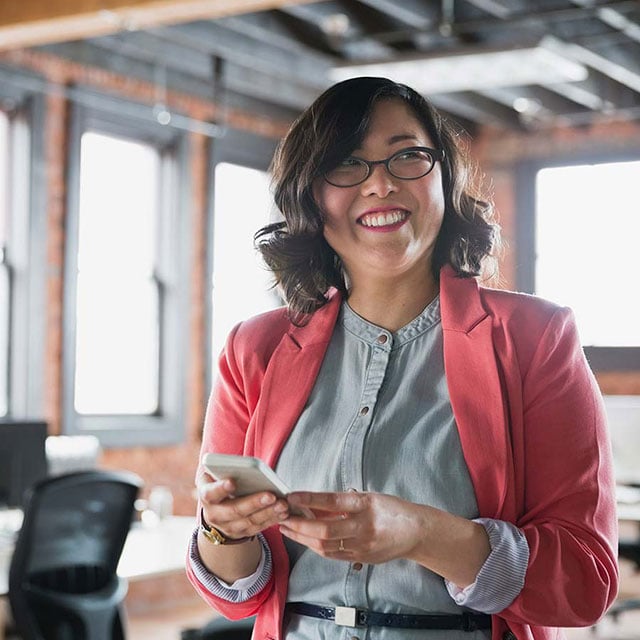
(22, 458)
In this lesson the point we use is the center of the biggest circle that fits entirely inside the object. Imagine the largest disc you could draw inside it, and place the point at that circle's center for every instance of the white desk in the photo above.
(628, 503)
(156, 550)
(148, 551)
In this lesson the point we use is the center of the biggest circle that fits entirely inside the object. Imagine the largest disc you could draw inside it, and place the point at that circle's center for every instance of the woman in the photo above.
(450, 438)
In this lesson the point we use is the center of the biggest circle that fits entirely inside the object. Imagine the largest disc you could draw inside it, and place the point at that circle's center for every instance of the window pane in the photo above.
(241, 282)
(588, 223)
(4, 340)
(4, 275)
(117, 311)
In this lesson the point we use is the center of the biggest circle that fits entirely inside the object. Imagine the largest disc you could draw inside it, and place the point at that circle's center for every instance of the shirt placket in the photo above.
(351, 463)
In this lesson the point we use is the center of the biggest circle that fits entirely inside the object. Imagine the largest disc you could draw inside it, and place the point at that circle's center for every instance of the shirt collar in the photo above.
(370, 333)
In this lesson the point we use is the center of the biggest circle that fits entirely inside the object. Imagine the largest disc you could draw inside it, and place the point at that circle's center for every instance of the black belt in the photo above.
(352, 617)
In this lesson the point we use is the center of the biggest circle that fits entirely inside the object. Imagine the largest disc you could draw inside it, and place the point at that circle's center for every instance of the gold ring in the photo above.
(341, 547)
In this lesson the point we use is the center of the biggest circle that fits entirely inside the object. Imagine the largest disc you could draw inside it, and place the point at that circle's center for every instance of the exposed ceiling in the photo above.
(276, 57)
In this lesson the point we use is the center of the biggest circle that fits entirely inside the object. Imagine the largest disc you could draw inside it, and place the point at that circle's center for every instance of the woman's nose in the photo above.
(379, 182)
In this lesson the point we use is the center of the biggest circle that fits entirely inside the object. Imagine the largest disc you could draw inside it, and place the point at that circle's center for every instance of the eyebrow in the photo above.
(400, 137)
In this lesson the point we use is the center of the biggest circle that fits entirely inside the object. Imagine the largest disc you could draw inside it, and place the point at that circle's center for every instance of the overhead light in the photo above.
(336, 24)
(464, 71)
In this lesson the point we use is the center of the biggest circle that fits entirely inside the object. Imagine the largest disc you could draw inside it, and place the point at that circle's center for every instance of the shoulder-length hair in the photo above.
(304, 265)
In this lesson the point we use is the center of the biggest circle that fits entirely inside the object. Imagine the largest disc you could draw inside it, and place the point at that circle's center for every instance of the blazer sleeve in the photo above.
(229, 411)
(569, 517)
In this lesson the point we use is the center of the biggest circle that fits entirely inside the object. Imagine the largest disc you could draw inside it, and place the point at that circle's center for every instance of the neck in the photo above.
(392, 304)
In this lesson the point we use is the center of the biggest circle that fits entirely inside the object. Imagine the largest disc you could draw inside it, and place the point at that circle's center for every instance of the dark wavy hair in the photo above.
(304, 265)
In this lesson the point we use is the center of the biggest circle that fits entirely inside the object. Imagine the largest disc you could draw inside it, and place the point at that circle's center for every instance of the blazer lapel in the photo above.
(289, 379)
(475, 389)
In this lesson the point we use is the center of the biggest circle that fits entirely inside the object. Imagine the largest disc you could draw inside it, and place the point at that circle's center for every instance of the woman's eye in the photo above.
(349, 163)
(411, 155)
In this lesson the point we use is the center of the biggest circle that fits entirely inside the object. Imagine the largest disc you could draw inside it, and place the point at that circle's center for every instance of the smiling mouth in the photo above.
(383, 219)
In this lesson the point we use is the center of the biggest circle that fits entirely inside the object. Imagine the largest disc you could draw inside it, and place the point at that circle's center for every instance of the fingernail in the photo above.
(267, 498)
(281, 508)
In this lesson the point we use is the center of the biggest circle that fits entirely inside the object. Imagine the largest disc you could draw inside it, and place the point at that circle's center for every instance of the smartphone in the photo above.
(251, 475)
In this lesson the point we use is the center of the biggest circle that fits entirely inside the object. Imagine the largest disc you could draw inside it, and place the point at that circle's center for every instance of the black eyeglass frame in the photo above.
(438, 155)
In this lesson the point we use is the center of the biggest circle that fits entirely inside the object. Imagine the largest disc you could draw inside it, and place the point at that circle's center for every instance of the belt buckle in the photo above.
(346, 616)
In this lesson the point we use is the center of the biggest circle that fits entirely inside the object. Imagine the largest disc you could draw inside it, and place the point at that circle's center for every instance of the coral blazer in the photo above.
(531, 423)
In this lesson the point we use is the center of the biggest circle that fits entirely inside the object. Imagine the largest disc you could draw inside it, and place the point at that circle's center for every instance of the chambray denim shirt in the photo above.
(379, 419)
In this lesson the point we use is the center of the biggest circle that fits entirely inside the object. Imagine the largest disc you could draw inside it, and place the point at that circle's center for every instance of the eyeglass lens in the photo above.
(407, 164)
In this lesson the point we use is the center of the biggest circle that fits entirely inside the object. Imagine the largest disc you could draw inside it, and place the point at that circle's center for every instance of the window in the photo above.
(126, 270)
(241, 282)
(5, 291)
(118, 296)
(241, 285)
(22, 272)
(582, 249)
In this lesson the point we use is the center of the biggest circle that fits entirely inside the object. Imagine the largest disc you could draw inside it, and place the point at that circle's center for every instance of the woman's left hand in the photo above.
(364, 527)
(373, 527)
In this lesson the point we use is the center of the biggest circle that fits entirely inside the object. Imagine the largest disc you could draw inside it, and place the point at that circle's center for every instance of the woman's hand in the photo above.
(363, 527)
(235, 518)
(373, 528)
(239, 517)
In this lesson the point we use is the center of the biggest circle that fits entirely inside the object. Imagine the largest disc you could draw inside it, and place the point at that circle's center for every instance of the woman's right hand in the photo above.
(242, 517)
(235, 518)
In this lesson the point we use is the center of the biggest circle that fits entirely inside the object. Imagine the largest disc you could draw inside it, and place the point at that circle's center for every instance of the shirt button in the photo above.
(357, 566)
(382, 338)
(355, 638)
(364, 411)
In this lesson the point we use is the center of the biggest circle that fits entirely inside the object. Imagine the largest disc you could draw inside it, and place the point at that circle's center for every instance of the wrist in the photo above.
(451, 546)
(216, 537)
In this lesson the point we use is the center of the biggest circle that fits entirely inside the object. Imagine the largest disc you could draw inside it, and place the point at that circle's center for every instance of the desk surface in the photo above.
(150, 550)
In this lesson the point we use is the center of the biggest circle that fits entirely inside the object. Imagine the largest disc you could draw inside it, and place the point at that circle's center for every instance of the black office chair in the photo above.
(62, 581)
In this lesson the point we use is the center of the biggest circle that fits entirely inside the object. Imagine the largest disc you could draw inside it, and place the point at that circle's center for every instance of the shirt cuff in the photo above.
(242, 589)
(501, 577)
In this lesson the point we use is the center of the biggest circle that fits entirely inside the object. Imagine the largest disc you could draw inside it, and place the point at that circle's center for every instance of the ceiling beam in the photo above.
(413, 13)
(37, 22)
(476, 108)
(492, 7)
(617, 72)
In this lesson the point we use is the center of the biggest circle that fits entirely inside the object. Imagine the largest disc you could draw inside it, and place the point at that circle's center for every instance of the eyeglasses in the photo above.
(407, 164)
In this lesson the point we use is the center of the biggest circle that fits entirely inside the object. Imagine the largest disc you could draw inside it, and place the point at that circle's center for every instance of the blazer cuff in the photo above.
(501, 577)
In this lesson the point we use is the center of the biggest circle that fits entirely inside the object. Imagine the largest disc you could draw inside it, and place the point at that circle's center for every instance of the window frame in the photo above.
(167, 425)
(26, 253)
(601, 359)
(247, 150)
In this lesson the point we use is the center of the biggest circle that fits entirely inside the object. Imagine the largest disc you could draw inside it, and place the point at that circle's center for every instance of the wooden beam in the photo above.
(37, 22)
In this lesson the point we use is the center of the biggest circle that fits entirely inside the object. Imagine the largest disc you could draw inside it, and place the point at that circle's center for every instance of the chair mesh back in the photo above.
(80, 525)
(62, 582)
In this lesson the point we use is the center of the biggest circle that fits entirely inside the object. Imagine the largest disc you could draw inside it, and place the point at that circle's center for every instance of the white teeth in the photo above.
(383, 219)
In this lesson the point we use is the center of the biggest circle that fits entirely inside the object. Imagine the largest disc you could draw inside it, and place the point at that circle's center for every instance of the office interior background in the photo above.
(135, 141)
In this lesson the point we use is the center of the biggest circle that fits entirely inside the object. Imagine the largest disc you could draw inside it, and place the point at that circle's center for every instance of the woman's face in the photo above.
(385, 227)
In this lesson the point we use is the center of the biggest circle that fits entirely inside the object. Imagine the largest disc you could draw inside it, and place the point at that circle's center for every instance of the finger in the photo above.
(255, 522)
(329, 548)
(333, 528)
(242, 508)
(350, 502)
(215, 491)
